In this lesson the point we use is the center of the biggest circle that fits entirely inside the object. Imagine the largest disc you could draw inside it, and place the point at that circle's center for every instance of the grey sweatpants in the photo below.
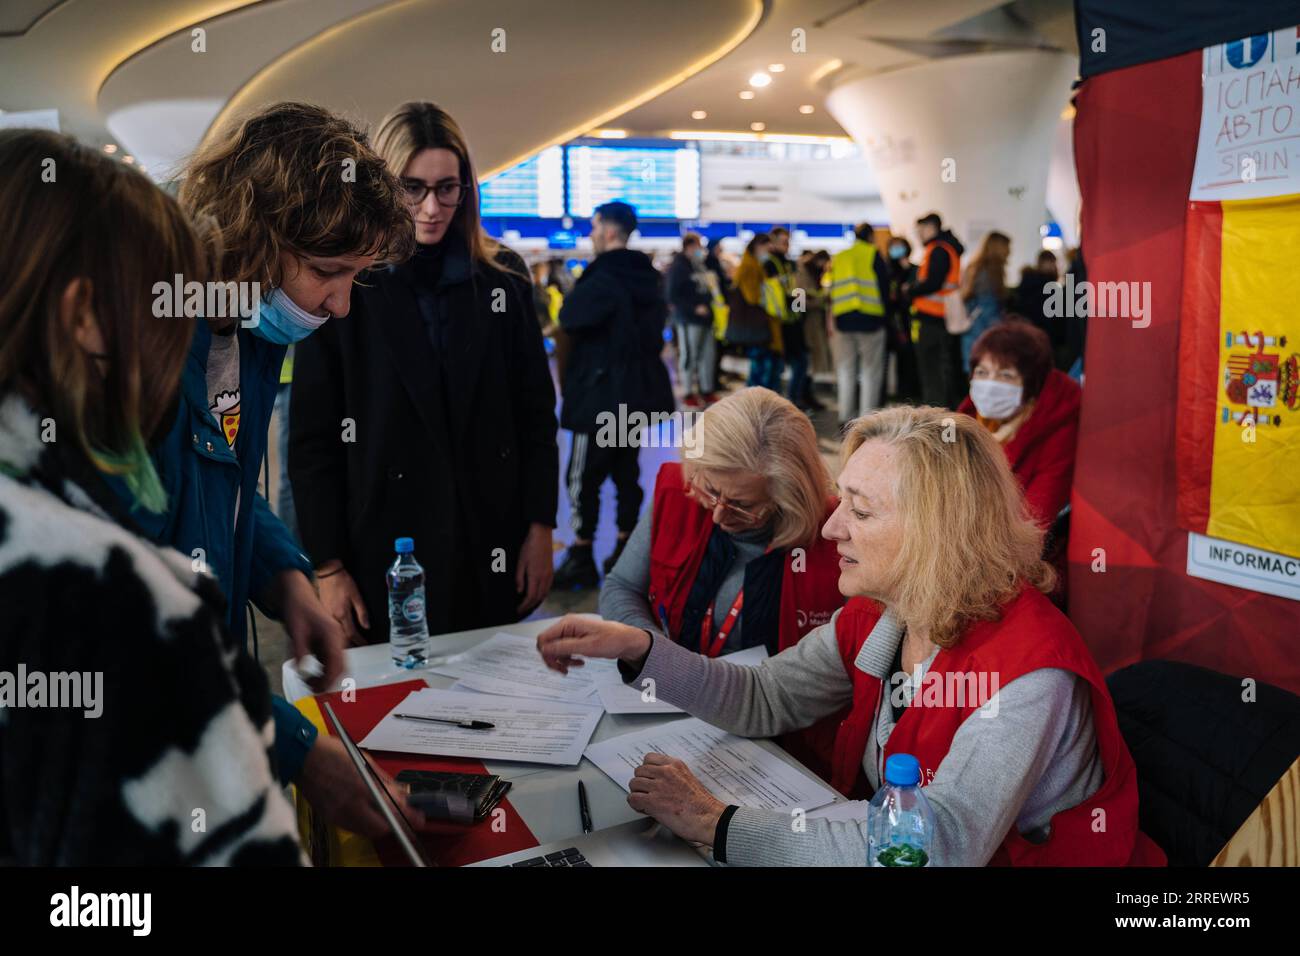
(695, 347)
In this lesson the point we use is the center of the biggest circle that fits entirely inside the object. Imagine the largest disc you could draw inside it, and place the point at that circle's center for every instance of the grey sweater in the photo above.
(1029, 753)
(623, 595)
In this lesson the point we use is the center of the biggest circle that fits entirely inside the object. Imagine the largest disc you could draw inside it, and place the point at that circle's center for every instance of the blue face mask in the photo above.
(282, 322)
(896, 252)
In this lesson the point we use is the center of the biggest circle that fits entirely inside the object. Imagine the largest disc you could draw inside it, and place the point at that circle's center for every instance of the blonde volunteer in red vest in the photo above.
(941, 562)
(730, 555)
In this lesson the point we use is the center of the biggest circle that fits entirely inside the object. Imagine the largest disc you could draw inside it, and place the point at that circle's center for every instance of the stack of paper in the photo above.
(733, 769)
(534, 731)
(509, 665)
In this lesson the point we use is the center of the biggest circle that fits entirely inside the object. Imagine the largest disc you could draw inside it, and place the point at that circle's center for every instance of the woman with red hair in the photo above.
(1032, 410)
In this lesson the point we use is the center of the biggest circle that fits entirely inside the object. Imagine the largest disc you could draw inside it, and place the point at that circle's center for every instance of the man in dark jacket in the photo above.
(615, 317)
(938, 352)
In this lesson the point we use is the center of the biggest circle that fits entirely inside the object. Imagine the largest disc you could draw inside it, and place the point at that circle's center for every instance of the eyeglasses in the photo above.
(446, 194)
(712, 501)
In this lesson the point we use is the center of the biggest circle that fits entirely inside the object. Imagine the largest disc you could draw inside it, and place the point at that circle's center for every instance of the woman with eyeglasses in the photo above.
(432, 415)
(730, 556)
(947, 651)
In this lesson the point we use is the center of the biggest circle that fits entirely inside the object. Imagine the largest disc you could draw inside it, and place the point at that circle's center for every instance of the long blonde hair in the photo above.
(969, 541)
(758, 431)
(416, 126)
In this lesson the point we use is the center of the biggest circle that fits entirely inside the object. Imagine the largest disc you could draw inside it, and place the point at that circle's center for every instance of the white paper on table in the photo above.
(509, 665)
(530, 730)
(733, 769)
(620, 698)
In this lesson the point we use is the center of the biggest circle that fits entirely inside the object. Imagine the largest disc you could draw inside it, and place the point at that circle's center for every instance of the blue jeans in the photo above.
(284, 494)
(765, 367)
(798, 377)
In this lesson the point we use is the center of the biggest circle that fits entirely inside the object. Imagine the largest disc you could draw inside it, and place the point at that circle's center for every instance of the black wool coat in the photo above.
(428, 412)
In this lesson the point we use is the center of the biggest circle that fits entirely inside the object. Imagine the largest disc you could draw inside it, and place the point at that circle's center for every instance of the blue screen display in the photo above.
(661, 183)
(535, 187)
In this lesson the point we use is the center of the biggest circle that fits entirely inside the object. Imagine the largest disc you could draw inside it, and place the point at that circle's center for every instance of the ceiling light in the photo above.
(758, 127)
(746, 94)
(699, 114)
(759, 80)
(128, 159)
(807, 108)
(610, 134)
(776, 68)
(110, 148)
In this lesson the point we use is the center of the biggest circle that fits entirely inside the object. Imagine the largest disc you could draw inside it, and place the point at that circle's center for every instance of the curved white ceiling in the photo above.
(61, 56)
(160, 102)
(552, 72)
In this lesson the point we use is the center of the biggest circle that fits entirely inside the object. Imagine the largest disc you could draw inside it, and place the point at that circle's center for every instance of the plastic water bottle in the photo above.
(408, 630)
(900, 823)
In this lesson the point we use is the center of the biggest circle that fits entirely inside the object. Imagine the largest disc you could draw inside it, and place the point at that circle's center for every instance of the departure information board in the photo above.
(533, 188)
(660, 182)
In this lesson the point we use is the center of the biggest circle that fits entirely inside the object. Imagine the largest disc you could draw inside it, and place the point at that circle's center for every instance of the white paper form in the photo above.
(533, 731)
(733, 769)
(509, 665)
(620, 698)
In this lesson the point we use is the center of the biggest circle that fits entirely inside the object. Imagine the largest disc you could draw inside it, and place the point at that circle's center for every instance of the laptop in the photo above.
(637, 843)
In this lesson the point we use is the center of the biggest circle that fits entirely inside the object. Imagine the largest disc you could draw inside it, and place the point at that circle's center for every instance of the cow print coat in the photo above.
(177, 767)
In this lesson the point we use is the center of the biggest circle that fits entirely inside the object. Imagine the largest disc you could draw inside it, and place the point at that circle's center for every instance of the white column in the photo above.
(969, 137)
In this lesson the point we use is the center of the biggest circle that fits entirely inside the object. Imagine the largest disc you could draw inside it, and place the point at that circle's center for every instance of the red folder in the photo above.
(453, 844)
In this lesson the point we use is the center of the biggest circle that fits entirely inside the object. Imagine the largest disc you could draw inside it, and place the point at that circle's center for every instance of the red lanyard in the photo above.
(706, 627)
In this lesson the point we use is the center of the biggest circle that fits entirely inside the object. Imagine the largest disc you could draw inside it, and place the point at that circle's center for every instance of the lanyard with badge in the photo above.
(714, 648)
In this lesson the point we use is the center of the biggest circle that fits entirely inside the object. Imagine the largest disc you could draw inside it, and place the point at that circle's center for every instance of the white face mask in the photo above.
(994, 399)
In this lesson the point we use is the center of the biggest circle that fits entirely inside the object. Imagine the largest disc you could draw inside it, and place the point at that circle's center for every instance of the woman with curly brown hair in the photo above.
(301, 205)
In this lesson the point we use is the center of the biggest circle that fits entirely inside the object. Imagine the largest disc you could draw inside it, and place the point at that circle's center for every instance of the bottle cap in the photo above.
(903, 770)
(404, 545)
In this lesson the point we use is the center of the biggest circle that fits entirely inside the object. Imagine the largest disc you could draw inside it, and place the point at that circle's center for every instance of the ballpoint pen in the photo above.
(583, 809)
(663, 622)
(466, 724)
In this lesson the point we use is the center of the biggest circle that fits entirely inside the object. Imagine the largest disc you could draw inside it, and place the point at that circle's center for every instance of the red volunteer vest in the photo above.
(679, 536)
(1031, 634)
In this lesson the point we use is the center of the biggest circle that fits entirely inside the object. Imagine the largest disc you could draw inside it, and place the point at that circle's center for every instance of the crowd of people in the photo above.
(422, 404)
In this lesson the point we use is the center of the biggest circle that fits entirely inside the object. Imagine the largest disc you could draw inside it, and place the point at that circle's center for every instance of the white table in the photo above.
(546, 797)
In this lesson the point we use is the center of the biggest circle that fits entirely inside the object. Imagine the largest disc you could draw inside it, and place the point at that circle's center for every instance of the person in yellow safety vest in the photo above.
(790, 314)
(856, 325)
(938, 353)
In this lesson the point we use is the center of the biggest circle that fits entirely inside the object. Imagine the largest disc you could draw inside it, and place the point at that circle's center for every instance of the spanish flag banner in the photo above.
(1238, 439)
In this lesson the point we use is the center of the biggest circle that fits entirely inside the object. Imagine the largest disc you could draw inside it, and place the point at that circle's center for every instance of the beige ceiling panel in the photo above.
(518, 75)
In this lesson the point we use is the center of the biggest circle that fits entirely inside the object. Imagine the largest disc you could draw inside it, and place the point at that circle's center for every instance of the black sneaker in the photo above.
(577, 571)
(612, 560)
